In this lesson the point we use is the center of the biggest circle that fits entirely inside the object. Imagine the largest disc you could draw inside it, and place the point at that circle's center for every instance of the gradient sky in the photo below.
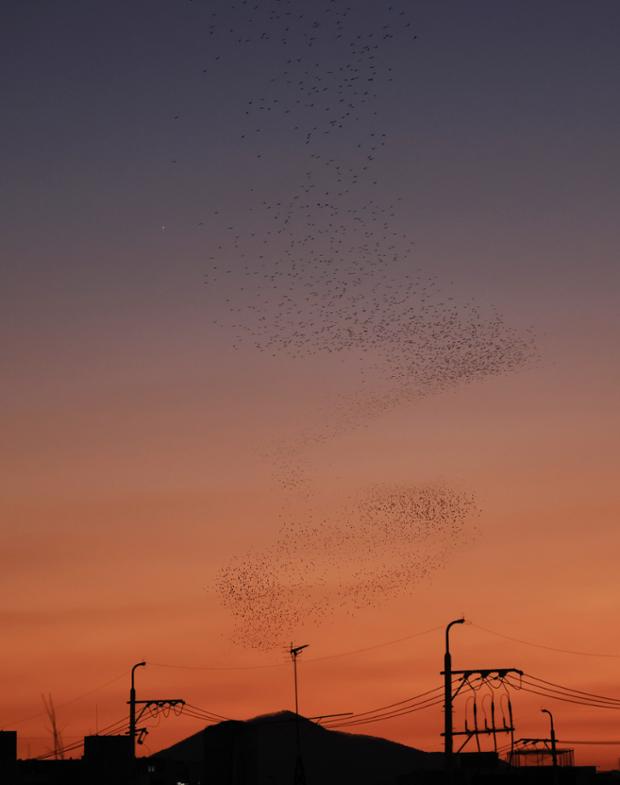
(138, 445)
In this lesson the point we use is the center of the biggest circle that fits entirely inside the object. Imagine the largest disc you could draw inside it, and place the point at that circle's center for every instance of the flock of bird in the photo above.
(325, 268)
(374, 549)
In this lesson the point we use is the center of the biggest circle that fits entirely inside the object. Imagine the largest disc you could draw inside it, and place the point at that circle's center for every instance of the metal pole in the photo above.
(297, 730)
(554, 751)
(132, 709)
(300, 776)
(447, 691)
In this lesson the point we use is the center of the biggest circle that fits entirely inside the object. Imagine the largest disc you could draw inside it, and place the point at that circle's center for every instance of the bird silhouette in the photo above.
(324, 268)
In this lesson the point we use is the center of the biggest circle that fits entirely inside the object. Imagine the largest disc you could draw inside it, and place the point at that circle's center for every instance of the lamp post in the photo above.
(132, 709)
(447, 681)
(300, 776)
(554, 751)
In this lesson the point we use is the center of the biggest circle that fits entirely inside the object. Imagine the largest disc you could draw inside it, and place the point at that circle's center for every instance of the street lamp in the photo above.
(554, 752)
(447, 681)
(132, 709)
(300, 775)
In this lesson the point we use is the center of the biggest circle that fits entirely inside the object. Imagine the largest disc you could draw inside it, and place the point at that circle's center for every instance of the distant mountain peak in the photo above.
(285, 715)
(265, 747)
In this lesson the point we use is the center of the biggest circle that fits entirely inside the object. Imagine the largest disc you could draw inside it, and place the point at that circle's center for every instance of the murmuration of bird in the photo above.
(321, 266)
(378, 547)
(324, 268)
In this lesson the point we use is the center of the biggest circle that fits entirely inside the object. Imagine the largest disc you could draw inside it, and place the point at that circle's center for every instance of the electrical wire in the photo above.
(571, 690)
(379, 709)
(218, 667)
(307, 660)
(544, 646)
(120, 727)
(588, 741)
(372, 648)
(562, 697)
(568, 693)
(206, 720)
(388, 716)
(116, 728)
(62, 751)
(380, 717)
(206, 711)
(414, 703)
(69, 702)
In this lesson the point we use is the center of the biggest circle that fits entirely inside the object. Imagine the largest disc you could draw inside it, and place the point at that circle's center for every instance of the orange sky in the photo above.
(128, 510)
(141, 451)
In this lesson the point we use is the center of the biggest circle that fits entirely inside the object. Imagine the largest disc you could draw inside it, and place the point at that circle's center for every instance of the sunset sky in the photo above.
(175, 431)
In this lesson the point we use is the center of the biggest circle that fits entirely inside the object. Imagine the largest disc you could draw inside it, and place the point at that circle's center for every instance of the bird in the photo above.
(312, 261)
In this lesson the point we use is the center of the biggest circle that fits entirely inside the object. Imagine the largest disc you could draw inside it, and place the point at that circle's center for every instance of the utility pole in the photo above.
(550, 745)
(447, 691)
(554, 750)
(132, 709)
(481, 676)
(155, 704)
(300, 775)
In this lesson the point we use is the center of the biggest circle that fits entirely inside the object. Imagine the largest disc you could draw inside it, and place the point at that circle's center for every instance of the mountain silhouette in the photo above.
(264, 750)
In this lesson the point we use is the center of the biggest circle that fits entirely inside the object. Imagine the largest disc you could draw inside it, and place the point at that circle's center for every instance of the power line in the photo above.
(588, 741)
(217, 667)
(564, 697)
(423, 700)
(363, 720)
(204, 713)
(308, 660)
(389, 716)
(195, 716)
(71, 701)
(372, 648)
(379, 709)
(116, 728)
(544, 646)
(567, 692)
(569, 689)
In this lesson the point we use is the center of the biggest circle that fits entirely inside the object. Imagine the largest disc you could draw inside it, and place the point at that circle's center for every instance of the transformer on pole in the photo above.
(474, 678)
(155, 704)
